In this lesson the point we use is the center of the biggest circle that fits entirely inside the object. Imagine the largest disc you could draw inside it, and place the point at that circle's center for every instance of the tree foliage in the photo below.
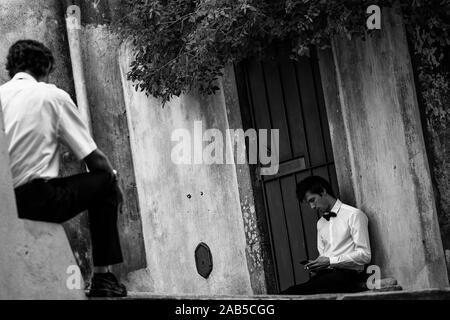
(428, 28)
(184, 44)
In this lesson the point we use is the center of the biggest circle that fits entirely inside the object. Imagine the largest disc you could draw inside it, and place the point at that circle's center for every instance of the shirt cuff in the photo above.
(333, 261)
(84, 150)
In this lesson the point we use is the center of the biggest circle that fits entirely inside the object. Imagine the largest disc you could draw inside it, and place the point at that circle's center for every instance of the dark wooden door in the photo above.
(287, 95)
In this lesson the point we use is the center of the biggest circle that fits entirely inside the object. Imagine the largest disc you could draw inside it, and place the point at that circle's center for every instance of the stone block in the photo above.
(34, 256)
(34, 260)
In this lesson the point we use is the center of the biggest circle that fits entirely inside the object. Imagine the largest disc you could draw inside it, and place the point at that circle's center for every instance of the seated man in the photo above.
(342, 242)
(37, 116)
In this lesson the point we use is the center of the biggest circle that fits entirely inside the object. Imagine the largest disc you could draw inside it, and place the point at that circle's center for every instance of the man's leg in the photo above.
(60, 199)
(327, 281)
(104, 233)
(94, 192)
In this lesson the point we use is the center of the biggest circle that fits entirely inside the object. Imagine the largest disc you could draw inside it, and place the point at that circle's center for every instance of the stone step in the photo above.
(386, 284)
(425, 294)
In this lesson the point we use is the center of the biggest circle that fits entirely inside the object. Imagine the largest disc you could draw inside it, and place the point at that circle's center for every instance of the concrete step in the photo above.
(425, 294)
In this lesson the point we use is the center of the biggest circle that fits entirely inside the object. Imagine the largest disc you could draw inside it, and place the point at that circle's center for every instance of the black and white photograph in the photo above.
(224, 158)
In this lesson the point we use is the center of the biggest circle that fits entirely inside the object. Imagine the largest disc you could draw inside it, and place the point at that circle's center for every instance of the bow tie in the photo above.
(329, 215)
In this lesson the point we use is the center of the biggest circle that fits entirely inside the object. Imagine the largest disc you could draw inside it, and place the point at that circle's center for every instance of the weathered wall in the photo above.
(438, 142)
(44, 21)
(34, 256)
(257, 251)
(109, 121)
(183, 205)
(437, 139)
(380, 154)
(38, 20)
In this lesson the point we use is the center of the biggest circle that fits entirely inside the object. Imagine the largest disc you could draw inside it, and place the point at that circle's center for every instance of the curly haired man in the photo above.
(38, 116)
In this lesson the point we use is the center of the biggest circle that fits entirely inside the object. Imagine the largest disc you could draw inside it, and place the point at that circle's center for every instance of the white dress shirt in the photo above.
(37, 117)
(344, 238)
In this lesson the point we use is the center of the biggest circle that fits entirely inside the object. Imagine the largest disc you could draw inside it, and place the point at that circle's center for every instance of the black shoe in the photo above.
(106, 285)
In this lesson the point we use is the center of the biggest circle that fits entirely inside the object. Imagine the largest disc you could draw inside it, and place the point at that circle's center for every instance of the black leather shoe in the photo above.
(106, 285)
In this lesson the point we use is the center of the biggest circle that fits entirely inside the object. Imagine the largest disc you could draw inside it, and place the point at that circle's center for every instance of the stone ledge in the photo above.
(425, 294)
(34, 258)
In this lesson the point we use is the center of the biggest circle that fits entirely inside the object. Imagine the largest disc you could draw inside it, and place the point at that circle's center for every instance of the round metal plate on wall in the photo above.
(203, 260)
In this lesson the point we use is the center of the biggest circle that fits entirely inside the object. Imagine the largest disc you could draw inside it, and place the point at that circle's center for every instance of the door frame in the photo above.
(257, 185)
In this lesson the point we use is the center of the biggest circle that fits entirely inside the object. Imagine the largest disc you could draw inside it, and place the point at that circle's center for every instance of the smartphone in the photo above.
(305, 262)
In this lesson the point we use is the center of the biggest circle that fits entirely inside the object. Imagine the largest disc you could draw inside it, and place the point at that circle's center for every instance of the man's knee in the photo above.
(104, 180)
(108, 186)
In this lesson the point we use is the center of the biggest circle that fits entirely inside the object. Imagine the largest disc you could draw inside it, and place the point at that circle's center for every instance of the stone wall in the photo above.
(109, 120)
(44, 21)
(437, 140)
(262, 276)
(380, 153)
(212, 214)
(437, 137)
(185, 204)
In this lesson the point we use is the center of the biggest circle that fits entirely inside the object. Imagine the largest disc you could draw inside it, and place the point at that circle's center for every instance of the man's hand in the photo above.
(97, 161)
(318, 264)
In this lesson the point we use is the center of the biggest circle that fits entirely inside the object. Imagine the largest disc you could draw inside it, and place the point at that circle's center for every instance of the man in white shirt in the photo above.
(342, 241)
(37, 117)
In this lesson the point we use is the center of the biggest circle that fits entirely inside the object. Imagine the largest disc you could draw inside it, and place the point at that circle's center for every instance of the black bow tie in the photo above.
(329, 215)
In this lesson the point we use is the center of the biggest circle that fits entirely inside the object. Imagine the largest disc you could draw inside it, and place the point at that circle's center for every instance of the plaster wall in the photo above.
(185, 204)
(380, 153)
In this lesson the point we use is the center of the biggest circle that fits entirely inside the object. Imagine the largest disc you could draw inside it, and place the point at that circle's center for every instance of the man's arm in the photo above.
(320, 246)
(75, 134)
(98, 161)
(360, 234)
(321, 262)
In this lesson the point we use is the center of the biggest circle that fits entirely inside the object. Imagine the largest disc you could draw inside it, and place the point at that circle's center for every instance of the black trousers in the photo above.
(328, 281)
(60, 199)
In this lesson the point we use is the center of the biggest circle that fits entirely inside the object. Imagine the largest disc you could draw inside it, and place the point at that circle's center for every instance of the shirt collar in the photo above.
(336, 206)
(23, 75)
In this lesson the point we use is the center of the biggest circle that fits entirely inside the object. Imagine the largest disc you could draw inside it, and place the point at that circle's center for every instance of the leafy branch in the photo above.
(184, 45)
